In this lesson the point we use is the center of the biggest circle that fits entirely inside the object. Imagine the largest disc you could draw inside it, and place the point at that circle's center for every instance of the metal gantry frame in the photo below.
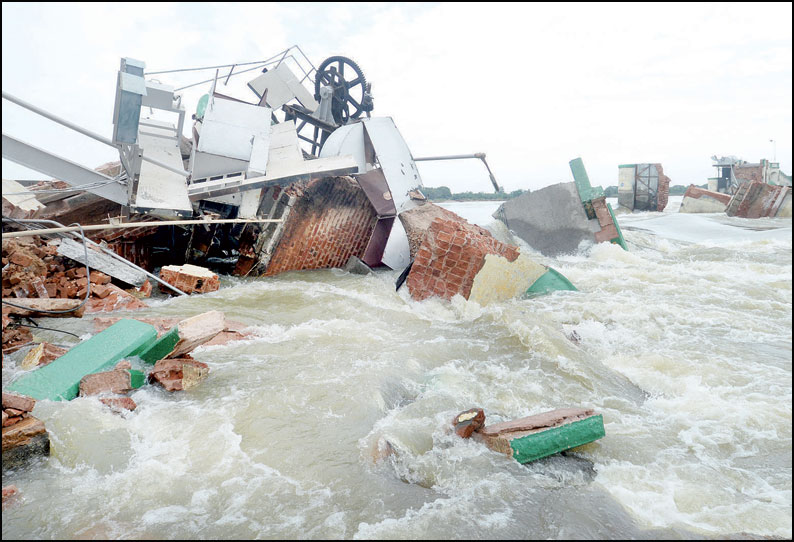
(276, 59)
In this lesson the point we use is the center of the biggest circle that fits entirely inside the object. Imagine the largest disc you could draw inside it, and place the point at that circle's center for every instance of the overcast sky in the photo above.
(531, 85)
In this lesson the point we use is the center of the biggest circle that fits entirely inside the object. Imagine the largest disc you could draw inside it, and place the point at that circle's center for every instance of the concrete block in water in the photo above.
(535, 437)
(189, 278)
(185, 336)
(60, 380)
(699, 200)
(551, 220)
(757, 200)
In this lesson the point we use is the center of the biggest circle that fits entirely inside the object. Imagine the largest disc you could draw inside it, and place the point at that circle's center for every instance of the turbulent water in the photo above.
(685, 348)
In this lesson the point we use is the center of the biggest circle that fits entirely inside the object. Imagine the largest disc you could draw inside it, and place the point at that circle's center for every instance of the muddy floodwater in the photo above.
(684, 347)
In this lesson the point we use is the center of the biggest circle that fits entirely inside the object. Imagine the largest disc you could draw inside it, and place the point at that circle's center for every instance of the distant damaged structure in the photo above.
(760, 200)
(733, 172)
(558, 218)
(643, 187)
(742, 189)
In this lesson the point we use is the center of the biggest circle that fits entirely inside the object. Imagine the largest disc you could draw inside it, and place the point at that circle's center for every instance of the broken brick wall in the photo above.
(749, 172)
(451, 254)
(758, 200)
(331, 220)
(663, 192)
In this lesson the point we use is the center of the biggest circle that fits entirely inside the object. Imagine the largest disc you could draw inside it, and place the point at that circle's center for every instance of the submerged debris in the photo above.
(452, 257)
(24, 436)
(700, 200)
(534, 437)
(757, 200)
(558, 218)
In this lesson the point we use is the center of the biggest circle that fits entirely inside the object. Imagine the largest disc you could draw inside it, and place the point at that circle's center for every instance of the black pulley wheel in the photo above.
(348, 83)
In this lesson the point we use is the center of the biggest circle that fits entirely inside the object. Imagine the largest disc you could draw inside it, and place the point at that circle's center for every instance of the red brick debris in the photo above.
(451, 254)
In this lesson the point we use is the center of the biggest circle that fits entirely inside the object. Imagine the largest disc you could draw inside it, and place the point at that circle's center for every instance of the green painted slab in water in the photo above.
(557, 439)
(60, 380)
(550, 281)
(161, 347)
(619, 239)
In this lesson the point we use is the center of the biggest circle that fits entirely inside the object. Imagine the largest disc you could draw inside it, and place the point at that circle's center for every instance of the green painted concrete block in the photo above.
(557, 439)
(161, 347)
(586, 191)
(60, 380)
(550, 281)
(137, 379)
(619, 239)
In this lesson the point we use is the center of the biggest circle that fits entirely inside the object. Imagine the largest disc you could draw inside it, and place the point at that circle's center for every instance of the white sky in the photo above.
(531, 85)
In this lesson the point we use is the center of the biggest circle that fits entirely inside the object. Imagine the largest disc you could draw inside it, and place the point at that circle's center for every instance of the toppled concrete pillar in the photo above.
(551, 220)
(556, 219)
(191, 279)
(757, 200)
(700, 200)
(458, 258)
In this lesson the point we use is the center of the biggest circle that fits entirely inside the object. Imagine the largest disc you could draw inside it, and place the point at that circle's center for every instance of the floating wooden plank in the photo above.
(102, 262)
(60, 380)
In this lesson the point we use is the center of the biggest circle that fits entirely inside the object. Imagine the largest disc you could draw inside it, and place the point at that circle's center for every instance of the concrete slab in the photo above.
(60, 380)
(551, 220)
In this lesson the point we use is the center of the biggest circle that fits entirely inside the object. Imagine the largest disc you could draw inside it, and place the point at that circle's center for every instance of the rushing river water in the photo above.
(685, 349)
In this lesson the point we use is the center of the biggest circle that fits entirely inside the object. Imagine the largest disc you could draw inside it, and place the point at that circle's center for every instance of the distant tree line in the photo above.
(443, 193)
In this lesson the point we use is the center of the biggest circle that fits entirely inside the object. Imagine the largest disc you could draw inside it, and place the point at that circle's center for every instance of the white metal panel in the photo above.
(159, 188)
(397, 253)
(260, 151)
(158, 96)
(394, 157)
(348, 139)
(229, 128)
(285, 153)
(282, 86)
